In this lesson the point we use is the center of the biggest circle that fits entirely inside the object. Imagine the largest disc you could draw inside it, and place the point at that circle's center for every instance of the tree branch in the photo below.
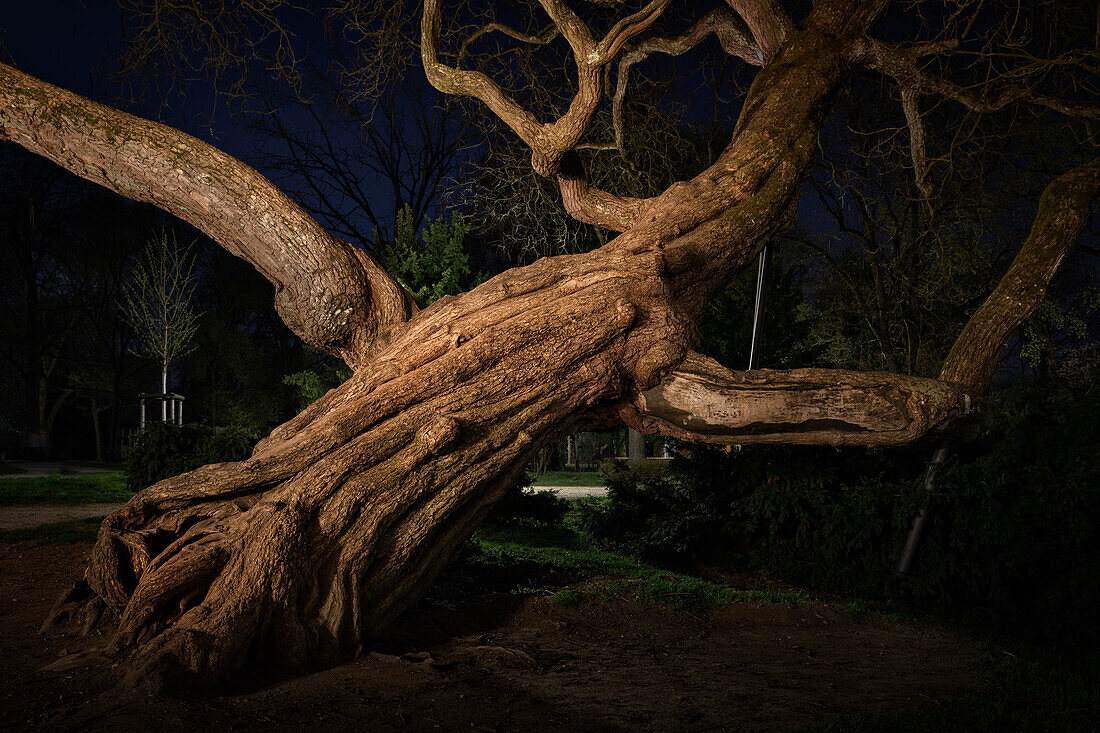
(331, 294)
(900, 64)
(767, 21)
(592, 205)
(550, 142)
(730, 30)
(701, 400)
(540, 39)
(1063, 208)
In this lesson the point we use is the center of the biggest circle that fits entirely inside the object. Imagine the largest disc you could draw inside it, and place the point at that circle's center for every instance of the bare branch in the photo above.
(471, 83)
(918, 150)
(701, 400)
(730, 30)
(900, 63)
(627, 28)
(541, 38)
(331, 294)
(1063, 208)
(591, 205)
(573, 29)
(767, 21)
(549, 142)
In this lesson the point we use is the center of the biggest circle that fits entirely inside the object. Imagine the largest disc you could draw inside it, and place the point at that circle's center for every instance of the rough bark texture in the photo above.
(1063, 208)
(702, 400)
(328, 292)
(343, 515)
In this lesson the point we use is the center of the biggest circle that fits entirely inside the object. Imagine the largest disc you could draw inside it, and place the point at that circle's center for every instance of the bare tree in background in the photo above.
(343, 515)
(157, 304)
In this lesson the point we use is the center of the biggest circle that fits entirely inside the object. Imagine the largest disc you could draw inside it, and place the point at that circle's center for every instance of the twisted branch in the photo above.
(550, 141)
(333, 295)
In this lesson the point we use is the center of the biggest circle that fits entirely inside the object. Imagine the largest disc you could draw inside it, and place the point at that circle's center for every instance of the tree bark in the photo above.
(343, 515)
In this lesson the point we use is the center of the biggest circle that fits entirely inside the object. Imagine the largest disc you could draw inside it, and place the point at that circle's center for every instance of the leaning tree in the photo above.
(343, 515)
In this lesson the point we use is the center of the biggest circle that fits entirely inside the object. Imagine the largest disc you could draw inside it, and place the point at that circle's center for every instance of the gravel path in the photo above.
(19, 517)
(573, 492)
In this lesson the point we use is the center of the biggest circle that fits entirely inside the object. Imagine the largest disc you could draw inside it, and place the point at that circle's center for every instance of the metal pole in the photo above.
(758, 310)
(179, 413)
(916, 529)
(141, 414)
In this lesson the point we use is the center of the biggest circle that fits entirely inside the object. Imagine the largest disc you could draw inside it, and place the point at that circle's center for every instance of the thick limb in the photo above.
(297, 555)
(1063, 208)
(331, 294)
(702, 400)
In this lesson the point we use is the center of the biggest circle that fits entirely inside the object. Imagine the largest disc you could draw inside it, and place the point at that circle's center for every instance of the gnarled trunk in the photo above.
(343, 515)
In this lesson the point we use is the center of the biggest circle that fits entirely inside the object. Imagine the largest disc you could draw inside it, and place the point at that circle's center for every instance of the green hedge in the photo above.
(1011, 541)
(164, 450)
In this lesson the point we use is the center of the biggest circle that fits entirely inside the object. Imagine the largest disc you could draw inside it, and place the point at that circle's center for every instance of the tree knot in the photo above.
(439, 434)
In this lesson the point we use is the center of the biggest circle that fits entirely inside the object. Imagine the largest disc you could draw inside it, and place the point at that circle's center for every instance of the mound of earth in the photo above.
(508, 663)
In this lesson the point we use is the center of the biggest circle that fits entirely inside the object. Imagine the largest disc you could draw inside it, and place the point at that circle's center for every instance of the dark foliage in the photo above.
(163, 450)
(519, 506)
(1011, 543)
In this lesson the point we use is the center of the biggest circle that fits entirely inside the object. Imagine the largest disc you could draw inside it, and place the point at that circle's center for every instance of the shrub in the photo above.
(163, 450)
(519, 506)
(1011, 541)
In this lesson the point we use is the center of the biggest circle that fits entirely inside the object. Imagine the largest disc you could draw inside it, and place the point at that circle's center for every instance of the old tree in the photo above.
(343, 515)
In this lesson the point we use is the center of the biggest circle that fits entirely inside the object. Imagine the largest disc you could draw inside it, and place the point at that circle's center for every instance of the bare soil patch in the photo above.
(18, 517)
(510, 663)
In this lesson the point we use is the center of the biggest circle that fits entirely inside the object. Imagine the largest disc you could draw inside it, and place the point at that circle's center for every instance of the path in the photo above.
(20, 517)
(573, 492)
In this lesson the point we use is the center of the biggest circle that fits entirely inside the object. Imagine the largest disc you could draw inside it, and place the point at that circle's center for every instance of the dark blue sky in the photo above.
(71, 43)
(60, 41)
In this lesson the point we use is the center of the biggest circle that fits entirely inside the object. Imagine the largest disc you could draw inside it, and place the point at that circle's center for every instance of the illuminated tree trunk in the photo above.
(344, 515)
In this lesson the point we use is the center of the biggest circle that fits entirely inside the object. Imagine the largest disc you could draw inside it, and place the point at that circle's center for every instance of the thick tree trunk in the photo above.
(345, 514)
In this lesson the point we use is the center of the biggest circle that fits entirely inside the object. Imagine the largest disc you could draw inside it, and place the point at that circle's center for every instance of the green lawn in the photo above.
(568, 478)
(85, 488)
(553, 558)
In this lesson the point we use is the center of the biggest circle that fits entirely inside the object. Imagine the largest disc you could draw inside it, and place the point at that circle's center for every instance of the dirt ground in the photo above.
(17, 517)
(510, 663)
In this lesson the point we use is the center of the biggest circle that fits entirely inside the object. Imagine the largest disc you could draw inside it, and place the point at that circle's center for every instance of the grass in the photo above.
(58, 533)
(85, 488)
(568, 478)
(562, 555)
(1023, 688)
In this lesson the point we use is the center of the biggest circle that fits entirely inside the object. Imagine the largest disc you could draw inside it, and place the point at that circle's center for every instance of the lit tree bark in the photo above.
(343, 515)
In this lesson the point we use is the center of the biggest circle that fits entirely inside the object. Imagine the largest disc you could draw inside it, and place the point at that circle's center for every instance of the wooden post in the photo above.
(916, 529)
